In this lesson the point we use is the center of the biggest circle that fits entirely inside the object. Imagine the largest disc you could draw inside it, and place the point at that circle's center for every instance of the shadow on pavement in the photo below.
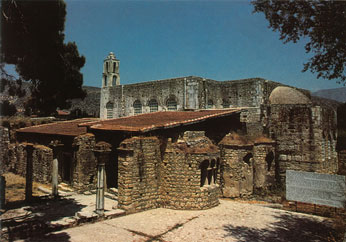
(37, 216)
(288, 228)
(56, 237)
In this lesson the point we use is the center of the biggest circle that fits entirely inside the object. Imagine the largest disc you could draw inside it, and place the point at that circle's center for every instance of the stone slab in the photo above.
(316, 188)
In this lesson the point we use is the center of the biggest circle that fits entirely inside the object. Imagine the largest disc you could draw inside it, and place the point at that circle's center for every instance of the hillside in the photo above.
(337, 94)
(90, 105)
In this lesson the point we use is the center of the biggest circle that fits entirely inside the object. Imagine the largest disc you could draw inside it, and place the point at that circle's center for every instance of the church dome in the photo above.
(288, 95)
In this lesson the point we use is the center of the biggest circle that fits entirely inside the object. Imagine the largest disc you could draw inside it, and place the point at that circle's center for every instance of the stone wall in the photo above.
(265, 167)
(237, 170)
(4, 146)
(190, 173)
(138, 173)
(247, 167)
(342, 162)
(300, 132)
(154, 173)
(85, 163)
(42, 157)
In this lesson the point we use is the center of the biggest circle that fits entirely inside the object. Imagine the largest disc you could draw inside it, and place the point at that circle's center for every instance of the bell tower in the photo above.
(110, 75)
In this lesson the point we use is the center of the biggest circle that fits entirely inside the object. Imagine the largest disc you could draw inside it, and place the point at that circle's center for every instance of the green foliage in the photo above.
(7, 109)
(323, 22)
(33, 40)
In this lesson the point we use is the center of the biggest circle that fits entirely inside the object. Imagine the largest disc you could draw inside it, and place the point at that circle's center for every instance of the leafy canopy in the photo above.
(322, 22)
(33, 40)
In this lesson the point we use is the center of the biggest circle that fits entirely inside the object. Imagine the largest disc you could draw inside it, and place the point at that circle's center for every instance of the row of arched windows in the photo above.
(105, 80)
(209, 171)
(154, 106)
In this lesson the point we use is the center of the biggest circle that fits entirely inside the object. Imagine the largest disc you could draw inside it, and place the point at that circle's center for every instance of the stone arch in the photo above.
(153, 105)
(210, 104)
(269, 159)
(171, 103)
(204, 171)
(225, 103)
(109, 109)
(137, 107)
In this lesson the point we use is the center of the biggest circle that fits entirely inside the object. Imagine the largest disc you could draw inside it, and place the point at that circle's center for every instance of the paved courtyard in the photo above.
(230, 221)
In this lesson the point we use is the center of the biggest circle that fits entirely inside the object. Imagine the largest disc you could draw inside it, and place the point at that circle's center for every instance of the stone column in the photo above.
(102, 152)
(28, 173)
(55, 168)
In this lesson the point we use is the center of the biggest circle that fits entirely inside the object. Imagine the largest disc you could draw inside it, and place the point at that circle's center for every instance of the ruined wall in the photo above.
(187, 163)
(85, 164)
(240, 93)
(138, 172)
(299, 133)
(237, 170)
(42, 157)
(4, 149)
(264, 165)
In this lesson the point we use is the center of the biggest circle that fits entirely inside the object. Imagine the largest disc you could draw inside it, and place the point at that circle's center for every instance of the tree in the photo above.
(33, 40)
(322, 22)
(7, 108)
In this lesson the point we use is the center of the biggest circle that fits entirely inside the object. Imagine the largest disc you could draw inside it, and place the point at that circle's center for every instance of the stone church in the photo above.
(184, 142)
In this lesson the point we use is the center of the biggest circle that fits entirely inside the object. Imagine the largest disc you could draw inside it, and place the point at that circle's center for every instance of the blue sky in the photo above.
(221, 40)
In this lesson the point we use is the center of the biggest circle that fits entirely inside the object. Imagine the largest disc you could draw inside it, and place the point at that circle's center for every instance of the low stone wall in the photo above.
(180, 184)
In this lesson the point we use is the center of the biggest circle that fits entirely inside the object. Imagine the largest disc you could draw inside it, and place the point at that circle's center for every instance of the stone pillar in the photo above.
(28, 172)
(55, 167)
(102, 152)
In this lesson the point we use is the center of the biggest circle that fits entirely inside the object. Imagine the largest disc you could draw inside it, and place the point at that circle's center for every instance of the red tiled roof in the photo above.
(150, 121)
(66, 128)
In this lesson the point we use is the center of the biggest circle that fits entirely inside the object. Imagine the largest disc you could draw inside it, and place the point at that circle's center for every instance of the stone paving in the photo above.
(48, 214)
(230, 221)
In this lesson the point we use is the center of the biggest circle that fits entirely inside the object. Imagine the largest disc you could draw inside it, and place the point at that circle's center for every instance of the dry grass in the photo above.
(15, 188)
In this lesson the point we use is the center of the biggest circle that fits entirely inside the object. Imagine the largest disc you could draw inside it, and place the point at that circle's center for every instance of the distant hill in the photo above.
(337, 94)
(91, 103)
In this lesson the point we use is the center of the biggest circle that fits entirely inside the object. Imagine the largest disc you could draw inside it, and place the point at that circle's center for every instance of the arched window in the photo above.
(137, 107)
(104, 81)
(171, 104)
(269, 159)
(210, 104)
(107, 66)
(211, 172)
(153, 105)
(114, 66)
(204, 172)
(225, 103)
(109, 108)
(114, 80)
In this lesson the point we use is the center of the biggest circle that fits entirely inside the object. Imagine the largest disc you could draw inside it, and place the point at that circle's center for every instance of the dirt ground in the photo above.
(15, 188)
